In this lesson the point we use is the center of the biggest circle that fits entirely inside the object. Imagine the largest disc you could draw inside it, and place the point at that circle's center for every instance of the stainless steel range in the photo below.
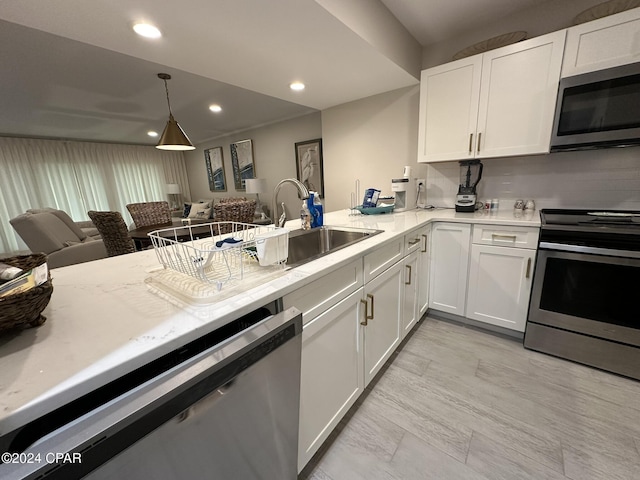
(585, 303)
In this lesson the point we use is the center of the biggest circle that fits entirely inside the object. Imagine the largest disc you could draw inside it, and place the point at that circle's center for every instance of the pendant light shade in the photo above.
(173, 137)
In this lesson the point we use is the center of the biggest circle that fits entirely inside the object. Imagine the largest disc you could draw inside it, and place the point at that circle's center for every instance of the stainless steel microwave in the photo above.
(598, 110)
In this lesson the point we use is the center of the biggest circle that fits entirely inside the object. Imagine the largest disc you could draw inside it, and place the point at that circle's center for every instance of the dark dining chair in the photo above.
(115, 234)
(150, 213)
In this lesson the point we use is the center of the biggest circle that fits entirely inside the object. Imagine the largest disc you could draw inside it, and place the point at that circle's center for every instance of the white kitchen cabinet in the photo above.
(382, 324)
(500, 285)
(423, 270)
(410, 306)
(500, 274)
(449, 98)
(450, 243)
(332, 372)
(603, 43)
(500, 103)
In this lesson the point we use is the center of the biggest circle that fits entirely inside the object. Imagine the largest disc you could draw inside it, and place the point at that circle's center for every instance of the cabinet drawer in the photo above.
(322, 294)
(506, 236)
(413, 241)
(379, 260)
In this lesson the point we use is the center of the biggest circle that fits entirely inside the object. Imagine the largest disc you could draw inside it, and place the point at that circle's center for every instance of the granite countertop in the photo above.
(103, 321)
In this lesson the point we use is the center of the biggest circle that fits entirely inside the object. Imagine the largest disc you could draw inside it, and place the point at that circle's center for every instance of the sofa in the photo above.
(57, 235)
(87, 226)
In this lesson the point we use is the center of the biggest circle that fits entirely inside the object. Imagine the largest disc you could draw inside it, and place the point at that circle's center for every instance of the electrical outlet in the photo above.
(421, 183)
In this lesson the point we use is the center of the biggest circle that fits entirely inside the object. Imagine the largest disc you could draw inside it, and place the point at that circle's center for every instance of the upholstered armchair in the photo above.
(234, 211)
(57, 235)
(150, 213)
(115, 234)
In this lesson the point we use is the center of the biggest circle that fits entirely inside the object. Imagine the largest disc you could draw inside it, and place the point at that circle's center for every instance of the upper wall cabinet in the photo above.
(499, 103)
(603, 43)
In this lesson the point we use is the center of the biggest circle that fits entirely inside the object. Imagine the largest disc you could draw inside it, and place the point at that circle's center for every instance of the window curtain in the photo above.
(80, 176)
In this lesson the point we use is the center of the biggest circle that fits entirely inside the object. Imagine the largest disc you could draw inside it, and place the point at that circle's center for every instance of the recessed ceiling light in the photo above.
(151, 133)
(146, 30)
(297, 86)
(215, 108)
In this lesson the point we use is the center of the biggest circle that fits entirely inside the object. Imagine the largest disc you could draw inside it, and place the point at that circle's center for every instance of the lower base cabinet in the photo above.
(410, 306)
(332, 372)
(381, 334)
(500, 285)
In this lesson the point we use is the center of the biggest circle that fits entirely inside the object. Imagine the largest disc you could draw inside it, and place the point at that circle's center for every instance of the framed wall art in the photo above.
(242, 161)
(214, 162)
(309, 165)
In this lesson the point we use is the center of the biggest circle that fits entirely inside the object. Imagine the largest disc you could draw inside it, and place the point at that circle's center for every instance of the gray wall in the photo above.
(273, 154)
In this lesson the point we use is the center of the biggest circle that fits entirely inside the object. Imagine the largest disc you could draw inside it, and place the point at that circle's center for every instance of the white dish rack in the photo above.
(201, 252)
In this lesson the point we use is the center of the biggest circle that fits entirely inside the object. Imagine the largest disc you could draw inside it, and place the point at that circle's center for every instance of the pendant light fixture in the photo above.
(173, 137)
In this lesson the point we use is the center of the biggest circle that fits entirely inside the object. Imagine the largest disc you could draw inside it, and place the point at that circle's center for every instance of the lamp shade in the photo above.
(173, 188)
(173, 137)
(255, 185)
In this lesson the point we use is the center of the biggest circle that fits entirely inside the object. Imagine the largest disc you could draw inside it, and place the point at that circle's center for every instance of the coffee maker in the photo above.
(404, 191)
(470, 175)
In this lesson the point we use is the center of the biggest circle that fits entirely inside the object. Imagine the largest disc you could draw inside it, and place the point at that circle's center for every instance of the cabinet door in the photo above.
(449, 110)
(500, 285)
(518, 95)
(410, 293)
(604, 43)
(449, 262)
(382, 332)
(332, 372)
(423, 271)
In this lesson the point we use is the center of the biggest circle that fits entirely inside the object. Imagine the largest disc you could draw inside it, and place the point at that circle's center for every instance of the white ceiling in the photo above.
(75, 69)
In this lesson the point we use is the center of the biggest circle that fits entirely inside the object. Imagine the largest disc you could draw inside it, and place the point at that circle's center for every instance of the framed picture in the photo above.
(242, 161)
(309, 165)
(214, 162)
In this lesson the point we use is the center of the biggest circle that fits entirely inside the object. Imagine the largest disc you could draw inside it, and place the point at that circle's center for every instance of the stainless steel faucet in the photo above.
(302, 191)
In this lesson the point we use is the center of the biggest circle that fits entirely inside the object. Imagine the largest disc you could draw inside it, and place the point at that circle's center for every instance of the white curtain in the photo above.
(80, 176)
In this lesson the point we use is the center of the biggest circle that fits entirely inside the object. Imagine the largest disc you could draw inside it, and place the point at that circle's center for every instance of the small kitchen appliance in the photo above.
(403, 191)
(470, 175)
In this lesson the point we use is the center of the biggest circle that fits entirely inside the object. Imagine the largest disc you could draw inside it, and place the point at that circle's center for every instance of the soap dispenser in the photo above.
(305, 216)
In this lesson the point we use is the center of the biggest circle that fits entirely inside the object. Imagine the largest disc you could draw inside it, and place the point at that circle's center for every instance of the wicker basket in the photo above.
(25, 309)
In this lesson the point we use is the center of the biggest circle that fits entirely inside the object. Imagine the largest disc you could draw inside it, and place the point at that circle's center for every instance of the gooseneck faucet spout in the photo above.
(302, 191)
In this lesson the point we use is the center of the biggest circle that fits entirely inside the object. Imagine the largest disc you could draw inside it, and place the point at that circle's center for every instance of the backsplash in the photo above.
(608, 178)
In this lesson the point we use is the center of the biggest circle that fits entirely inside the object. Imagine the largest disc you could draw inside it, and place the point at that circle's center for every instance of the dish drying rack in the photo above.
(200, 252)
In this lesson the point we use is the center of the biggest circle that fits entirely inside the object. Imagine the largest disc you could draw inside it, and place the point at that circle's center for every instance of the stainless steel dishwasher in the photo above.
(222, 407)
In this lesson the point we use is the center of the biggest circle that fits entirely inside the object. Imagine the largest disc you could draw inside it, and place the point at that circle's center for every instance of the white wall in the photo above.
(608, 178)
(370, 140)
(273, 154)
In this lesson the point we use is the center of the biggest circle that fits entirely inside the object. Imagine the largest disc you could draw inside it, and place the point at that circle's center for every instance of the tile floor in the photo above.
(458, 403)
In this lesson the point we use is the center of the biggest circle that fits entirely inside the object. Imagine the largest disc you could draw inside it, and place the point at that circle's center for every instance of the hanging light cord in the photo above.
(166, 88)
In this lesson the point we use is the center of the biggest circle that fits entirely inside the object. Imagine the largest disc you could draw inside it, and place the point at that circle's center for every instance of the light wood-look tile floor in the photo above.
(458, 403)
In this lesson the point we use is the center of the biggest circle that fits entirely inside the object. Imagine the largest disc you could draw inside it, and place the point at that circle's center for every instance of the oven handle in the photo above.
(592, 250)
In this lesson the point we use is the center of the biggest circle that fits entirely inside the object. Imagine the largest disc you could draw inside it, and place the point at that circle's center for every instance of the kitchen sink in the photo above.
(307, 245)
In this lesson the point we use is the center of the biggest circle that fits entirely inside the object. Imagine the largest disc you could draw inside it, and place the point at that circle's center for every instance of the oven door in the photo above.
(587, 293)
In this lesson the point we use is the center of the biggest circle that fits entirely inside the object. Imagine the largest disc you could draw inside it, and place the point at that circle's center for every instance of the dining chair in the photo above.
(150, 213)
(115, 234)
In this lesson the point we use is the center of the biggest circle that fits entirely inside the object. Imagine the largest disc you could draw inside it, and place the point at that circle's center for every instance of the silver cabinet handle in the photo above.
(409, 282)
(479, 137)
(471, 143)
(367, 317)
(528, 273)
(424, 249)
(414, 241)
(503, 237)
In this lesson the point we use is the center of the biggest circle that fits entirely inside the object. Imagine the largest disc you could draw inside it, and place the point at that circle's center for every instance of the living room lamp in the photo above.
(173, 137)
(173, 191)
(257, 186)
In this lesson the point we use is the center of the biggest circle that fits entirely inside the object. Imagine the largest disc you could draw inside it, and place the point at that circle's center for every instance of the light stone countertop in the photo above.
(103, 321)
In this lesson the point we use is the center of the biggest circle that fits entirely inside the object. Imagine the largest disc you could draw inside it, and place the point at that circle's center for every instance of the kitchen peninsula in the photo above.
(103, 322)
